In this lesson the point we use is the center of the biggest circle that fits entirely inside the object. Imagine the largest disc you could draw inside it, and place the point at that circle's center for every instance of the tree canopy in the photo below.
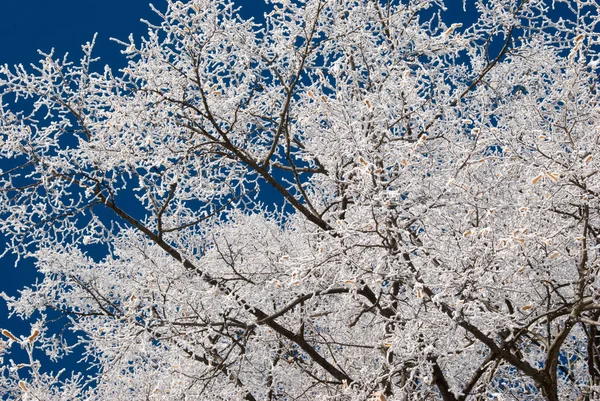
(350, 200)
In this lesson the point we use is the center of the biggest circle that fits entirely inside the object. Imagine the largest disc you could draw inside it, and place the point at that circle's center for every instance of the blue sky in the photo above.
(66, 25)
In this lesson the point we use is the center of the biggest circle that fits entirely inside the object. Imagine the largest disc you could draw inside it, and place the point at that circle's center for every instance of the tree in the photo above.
(351, 200)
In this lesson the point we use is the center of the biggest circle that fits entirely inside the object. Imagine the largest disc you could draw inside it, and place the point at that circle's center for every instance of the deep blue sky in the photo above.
(66, 25)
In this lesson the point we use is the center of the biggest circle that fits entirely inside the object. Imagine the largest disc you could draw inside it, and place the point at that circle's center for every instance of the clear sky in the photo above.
(65, 25)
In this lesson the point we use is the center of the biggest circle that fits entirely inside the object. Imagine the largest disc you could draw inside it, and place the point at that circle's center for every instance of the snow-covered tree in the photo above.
(350, 200)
